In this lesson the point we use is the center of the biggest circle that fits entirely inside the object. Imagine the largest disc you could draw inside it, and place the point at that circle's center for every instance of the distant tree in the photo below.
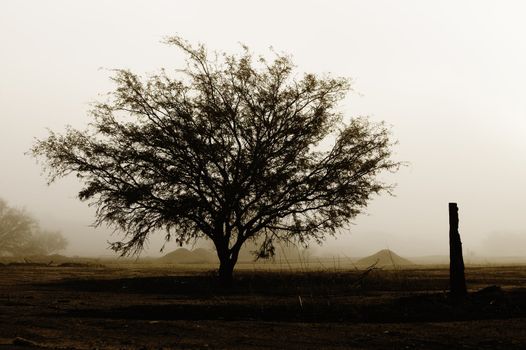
(229, 148)
(16, 228)
(43, 243)
(20, 234)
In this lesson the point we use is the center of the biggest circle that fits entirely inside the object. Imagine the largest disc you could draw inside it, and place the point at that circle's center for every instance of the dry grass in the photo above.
(123, 305)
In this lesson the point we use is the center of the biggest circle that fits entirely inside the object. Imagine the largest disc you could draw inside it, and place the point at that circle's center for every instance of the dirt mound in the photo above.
(185, 256)
(384, 258)
(204, 254)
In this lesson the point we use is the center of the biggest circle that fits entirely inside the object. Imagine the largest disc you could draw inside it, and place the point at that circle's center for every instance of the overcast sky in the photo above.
(449, 76)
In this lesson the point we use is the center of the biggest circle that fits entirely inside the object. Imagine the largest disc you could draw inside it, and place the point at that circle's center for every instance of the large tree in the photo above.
(229, 148)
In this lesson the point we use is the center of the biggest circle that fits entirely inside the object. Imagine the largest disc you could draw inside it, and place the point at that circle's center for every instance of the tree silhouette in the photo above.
(229, 148)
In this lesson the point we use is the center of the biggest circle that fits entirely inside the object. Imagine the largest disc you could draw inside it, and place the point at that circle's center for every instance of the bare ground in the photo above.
(46, 307)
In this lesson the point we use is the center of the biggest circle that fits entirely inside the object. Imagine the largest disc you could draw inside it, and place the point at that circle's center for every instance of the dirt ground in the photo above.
(146, 307)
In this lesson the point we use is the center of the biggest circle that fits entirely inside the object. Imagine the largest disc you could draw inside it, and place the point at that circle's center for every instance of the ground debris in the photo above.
(489, 290)
(19, 341)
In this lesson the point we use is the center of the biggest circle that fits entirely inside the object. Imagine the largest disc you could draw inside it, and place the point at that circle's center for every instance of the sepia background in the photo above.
(448, 76)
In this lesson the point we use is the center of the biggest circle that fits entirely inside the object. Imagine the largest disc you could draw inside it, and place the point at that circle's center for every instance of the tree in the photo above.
(21, 235)
(15, 229)
(228, 148)
(43, 242)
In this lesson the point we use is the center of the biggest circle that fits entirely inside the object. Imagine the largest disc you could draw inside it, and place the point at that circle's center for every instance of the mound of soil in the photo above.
(384, 258)
(185, 256)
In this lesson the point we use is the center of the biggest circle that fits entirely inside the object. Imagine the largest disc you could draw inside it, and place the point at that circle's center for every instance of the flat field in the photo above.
(169, 307)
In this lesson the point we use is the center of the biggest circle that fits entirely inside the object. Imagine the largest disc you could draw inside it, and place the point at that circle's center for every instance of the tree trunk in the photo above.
(226, 272)
(457, 279)
(227, 259)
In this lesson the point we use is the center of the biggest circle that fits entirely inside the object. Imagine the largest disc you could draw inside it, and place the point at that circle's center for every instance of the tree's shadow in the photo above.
(200, 297)
(422, 308)
(246, 283)
(191, 286)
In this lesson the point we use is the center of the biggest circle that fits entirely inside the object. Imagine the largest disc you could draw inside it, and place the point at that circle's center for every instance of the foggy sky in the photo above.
(447, 75)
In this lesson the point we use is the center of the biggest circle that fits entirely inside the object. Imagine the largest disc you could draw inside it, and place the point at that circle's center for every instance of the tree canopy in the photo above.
(20, 234)
(232, 147)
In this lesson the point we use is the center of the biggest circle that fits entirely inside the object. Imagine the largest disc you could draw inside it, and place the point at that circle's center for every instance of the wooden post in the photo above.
(457, 281)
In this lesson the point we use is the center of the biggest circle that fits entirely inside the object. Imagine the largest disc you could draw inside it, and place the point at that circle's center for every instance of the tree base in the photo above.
(226, 275)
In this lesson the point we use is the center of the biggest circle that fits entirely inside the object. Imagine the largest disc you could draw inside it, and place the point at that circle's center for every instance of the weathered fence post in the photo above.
(457, 281)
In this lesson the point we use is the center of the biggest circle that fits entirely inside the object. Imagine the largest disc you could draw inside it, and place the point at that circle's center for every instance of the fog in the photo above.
(448, 76)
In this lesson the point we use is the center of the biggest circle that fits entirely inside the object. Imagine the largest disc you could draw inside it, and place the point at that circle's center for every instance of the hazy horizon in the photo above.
(447, 76)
